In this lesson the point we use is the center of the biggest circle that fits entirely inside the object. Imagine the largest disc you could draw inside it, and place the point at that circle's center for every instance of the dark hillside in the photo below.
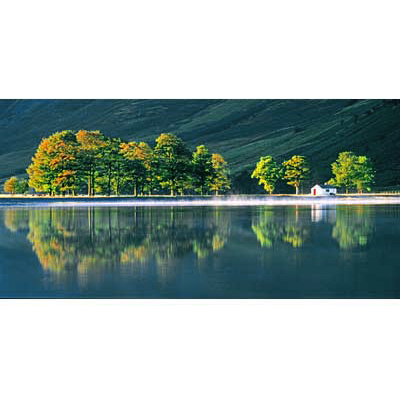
(241, 130)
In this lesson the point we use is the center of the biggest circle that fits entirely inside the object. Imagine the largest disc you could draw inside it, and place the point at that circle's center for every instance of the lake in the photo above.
(291, 251)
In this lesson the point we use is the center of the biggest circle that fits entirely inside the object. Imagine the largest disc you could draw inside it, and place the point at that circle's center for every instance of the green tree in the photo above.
(221, 179)
(344, 170)
(90, 156)
(172, 162)
(296, 170)
(365, 174)
(351, 171)
(268, 173)
(22, 186)
(137, 163)
(10, 186)
(203, 171)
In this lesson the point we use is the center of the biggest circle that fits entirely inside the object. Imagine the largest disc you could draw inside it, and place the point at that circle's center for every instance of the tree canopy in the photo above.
(352, 171)
(69, 162)
(268, 173)
(296, 170)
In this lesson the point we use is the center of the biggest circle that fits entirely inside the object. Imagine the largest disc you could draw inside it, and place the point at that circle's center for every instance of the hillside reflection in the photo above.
(88, 240)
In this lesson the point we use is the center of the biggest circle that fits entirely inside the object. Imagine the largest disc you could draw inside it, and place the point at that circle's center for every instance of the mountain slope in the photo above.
(241, 130)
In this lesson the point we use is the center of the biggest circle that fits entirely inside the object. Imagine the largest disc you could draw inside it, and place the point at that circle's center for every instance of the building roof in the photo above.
(326, 186)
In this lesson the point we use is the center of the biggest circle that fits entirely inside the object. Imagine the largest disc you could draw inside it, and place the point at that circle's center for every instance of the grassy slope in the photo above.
(241, 130)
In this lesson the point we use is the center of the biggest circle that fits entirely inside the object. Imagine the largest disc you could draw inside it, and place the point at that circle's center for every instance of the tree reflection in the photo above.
(84, 240)
(354, 226)
(288, 226)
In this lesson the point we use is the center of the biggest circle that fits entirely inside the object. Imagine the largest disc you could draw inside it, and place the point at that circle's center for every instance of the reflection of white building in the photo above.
(322, 212)
(323, 190)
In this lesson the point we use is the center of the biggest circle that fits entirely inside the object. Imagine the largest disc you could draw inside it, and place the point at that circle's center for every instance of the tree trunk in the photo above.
(297, 190)
(216, 192)
(89, 187)
(135, 190)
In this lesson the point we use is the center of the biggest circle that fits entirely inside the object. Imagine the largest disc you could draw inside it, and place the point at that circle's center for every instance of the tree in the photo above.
(90, 156)
(268, 173)
(220, 180)
(350, 171)
(10, 186)
(296, 170)
(203, 171)
(54, 155)
(172, 161)
(22, 186)
(364, 174)
(137, 164)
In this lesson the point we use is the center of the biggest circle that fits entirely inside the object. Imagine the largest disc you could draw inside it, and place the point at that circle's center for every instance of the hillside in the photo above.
(241, 130)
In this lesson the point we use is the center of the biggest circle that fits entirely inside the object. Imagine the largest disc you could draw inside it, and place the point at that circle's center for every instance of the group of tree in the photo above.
(293, 171)
(16, 186)
(349, 170)
(70, 162)
(352, 171)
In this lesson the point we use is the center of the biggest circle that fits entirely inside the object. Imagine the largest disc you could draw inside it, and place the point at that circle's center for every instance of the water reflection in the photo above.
(82, 241)
(90, 245)
(285, 225)
(353, 227)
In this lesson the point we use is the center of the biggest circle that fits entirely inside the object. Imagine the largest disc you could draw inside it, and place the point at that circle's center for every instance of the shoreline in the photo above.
(181, 201)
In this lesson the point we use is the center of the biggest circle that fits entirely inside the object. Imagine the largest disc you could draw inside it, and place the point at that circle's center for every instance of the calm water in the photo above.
(342, 251)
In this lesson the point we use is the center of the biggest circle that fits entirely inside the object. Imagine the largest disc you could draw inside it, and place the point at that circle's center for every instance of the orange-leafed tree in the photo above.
(54, 155)
(10, 186)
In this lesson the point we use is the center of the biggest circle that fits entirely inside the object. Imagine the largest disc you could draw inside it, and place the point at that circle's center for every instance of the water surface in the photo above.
(292, 251)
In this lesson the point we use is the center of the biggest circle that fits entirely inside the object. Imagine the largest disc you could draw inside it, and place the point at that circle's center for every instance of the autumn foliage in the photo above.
(88, 162)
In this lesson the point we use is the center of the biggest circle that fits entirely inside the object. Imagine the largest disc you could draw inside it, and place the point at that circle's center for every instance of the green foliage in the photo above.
(352, 171)
(137, 164)
(172, 160)
(220, 180)
(296, 170)
(268, 173)
(203, 171)
(69, 162)
(22, 186)
(16, 186)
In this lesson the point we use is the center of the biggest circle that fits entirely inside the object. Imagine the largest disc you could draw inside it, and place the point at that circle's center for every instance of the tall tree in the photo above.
(172, 160)
(10, 186)
(351, 171)
(111, 162)
(54, 155)
(137, 164)
(221, 179)
(268, 173)
(203, 171)
(344, 170)
(296, 170)
(90, 156)
(365, 174)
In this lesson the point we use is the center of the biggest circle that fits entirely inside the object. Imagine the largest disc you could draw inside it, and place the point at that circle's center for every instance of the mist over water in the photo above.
(184, 201)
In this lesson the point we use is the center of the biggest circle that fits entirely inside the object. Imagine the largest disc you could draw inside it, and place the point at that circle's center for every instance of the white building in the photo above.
(323, 190)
